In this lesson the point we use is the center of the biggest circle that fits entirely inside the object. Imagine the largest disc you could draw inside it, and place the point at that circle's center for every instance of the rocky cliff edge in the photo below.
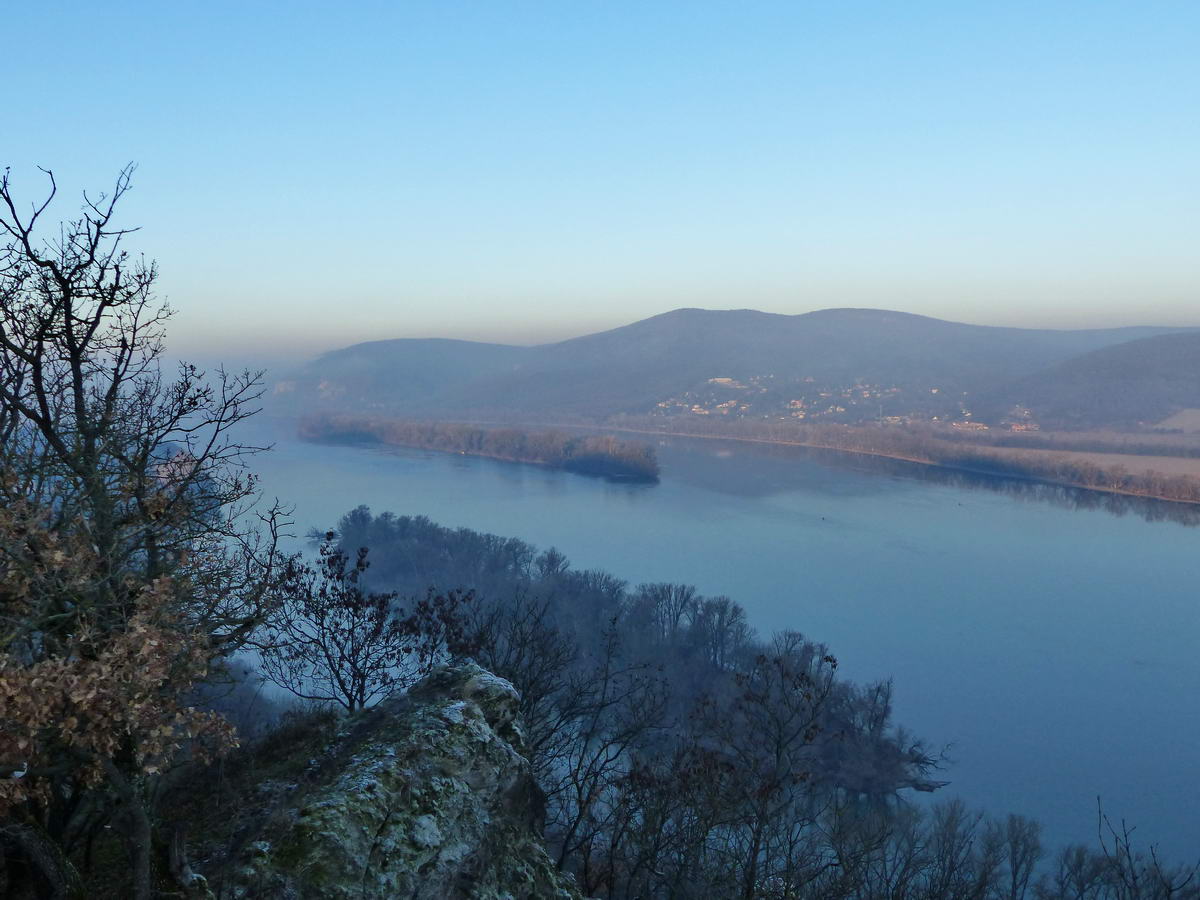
(424, 796)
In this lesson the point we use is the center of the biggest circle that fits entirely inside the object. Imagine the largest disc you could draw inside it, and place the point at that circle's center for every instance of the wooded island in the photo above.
(601, 455)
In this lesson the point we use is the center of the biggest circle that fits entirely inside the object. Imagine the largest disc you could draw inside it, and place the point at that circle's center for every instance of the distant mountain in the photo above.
(760, 361)
(1138, 382)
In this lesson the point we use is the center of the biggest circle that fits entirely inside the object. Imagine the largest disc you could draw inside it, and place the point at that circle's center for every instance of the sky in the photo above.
(315, 174)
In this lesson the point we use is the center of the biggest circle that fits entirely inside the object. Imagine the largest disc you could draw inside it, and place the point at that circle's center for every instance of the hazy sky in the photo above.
(311, 174)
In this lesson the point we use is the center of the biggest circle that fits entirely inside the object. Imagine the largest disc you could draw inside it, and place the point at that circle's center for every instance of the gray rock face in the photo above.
(427, 796)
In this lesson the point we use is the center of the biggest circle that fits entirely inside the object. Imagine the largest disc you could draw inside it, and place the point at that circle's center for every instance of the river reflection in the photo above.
(1049, 634)
(725, 466)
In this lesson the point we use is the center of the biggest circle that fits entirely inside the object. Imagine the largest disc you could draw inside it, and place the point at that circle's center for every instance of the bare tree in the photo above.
(133, 474)
(1023, 851)
(767, 730)
(331, 640)
(666, 607)
(608, 711)
(518, 641)
(720, 629)
(1133, 875)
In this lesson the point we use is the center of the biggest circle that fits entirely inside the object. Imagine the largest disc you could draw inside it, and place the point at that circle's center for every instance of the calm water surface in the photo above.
(1052, 646)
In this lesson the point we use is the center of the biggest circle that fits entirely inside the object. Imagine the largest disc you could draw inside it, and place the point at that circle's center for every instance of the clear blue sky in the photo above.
(312, 174)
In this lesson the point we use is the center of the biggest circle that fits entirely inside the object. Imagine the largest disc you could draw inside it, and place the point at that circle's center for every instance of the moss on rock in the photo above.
(424, 796)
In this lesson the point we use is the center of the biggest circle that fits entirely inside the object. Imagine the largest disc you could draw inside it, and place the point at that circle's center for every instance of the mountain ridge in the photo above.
(687, 359)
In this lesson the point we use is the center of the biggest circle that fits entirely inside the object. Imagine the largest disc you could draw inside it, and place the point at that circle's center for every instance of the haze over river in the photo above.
(1054, 644)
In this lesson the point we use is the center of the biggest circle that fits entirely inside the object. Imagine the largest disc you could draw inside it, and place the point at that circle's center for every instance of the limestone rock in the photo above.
(425, 796)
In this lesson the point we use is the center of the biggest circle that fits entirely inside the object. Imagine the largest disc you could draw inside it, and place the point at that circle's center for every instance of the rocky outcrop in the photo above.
(424, 796)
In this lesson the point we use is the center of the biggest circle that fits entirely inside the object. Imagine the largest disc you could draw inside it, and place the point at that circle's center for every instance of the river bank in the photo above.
(602, 456)
(1170, 479)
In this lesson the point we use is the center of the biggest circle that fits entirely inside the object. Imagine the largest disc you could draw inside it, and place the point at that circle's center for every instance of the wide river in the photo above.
(1049, 638)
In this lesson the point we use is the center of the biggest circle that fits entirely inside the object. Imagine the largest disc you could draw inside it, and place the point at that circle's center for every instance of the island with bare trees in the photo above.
(604, 456)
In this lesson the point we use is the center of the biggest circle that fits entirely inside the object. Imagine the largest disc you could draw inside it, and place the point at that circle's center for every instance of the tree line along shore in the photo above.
(1092, 465)
(600, 455)
(1090, 471)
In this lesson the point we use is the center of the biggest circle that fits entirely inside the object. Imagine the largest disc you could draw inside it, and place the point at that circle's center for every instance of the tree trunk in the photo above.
(140, 849)
(138, 831)
(751, 874)
(192, 883)
(46, 858)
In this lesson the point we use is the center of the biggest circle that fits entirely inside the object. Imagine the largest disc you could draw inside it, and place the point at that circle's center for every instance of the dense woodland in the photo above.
(601, 455)
(682, 755)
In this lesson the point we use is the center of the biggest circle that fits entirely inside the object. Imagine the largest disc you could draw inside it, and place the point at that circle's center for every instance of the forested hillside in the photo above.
(838, 364)
(1130, 384)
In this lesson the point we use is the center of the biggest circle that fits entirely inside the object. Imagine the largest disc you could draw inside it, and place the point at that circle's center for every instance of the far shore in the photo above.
(1167, 465)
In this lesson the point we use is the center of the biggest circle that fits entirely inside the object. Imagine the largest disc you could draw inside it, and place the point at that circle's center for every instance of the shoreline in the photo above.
(378, 444)
(881, 454)
(810, 445)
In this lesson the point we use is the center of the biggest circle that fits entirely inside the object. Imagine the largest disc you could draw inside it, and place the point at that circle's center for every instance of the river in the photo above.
(1048, 637)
